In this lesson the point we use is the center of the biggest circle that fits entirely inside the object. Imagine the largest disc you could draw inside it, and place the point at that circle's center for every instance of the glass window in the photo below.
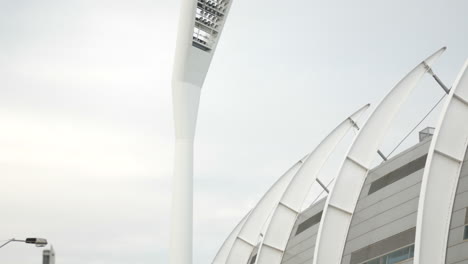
(398, 256)
(313, 220)
(374, 261)
(465, 234)
(411, 251)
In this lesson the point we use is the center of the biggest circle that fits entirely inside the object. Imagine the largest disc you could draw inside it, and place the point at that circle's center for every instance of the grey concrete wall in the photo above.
(300, 248)
(388, 211)
(457, 248)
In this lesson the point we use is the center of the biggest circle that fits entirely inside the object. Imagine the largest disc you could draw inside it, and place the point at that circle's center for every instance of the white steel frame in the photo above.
(342, 200)
(440, 179)
(287, 209)
(250, 232)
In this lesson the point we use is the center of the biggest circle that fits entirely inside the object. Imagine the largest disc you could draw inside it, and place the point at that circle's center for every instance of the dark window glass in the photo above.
(313, 220)
(394, 257)
(383, 260)
(411, 251)
(398, 174)
(374, 261)
(465, 233)
(398, 256)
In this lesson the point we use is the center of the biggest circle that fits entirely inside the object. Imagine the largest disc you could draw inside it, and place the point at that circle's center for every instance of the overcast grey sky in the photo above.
(86, 131)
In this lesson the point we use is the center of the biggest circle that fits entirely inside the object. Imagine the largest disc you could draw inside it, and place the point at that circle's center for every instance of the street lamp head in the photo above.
(39, 242)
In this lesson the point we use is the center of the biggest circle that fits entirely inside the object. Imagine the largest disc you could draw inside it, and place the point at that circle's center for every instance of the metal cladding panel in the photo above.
(284, 217)
(251, 229)
(223, 252)
(342, 199)
(301, 244)
(441, 176)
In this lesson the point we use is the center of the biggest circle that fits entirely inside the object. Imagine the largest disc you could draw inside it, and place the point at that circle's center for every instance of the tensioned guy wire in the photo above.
(414, 128)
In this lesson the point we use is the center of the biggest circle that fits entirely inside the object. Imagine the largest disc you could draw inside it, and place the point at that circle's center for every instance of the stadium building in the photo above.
(411, 208)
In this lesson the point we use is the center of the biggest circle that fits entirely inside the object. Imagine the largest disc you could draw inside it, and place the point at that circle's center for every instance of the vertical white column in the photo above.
(182, 203)
(190, 68)
(185, 100)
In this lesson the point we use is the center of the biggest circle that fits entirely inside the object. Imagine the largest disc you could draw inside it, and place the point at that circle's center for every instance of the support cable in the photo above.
(414, 128)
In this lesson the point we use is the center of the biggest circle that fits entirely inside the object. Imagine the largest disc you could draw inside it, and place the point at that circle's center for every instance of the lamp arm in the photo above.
(11, 240)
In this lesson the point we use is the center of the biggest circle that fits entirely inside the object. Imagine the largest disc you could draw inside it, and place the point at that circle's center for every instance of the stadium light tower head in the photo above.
(200, 26)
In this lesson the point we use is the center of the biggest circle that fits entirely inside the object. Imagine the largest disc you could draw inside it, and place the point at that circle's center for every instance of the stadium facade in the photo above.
(412, 208)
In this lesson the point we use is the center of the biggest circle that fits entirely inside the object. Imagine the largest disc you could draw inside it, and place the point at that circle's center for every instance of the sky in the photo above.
(86, 129)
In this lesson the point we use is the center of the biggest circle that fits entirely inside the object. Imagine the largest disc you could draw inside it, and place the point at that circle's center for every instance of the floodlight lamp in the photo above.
(209, 20)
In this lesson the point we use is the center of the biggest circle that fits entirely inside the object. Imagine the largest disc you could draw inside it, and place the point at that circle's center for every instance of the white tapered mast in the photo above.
(200, 26)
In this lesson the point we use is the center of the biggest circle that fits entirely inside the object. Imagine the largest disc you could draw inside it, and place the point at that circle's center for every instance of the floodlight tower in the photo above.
(200, 26)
